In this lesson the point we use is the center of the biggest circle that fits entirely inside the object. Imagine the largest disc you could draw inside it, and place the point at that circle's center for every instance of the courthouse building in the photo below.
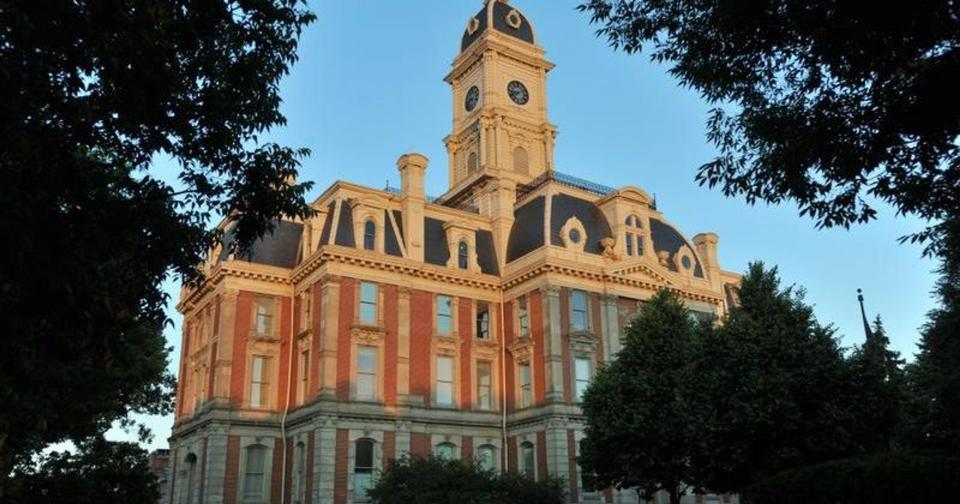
(466, 325)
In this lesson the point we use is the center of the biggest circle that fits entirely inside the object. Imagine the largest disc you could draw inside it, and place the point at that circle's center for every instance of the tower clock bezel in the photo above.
(472, 99)
(518, 93)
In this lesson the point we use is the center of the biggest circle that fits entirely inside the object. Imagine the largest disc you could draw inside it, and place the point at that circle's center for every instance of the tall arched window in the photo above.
(463, 255)
(299, 473)
(362, 470)
(521, 163)
(190, 477)
(633, 238)
(254, 473)
(487, 457)
(370, 235)
(445, 451)
(528, 460)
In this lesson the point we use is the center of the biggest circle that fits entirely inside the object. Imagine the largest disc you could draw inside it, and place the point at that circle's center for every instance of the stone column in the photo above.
(553, 343)
(324, 460)
(216, 464)
(402, 440)
(224, 359)
(329, 323)
(557, 453)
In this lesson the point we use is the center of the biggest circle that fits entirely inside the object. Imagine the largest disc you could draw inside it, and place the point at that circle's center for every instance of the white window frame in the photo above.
(364, 373)
(363, 301)
(532, 470)
(440, 301)
(579, 380)
(525, 397)
(489, 386)
(452, 381)
(576, 294)
(260, 381)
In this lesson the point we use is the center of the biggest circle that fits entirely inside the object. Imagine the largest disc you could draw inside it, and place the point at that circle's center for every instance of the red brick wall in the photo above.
(340, 472)
(241, 329)
(465, 328)
(391, 344)
(420, 444)
(345, 320)
(598, 323)
(421, 333)
(572, 464)
(389, 447)
(466, 451)
(287, 475)
(541, 455)
(277, 475)
(283, 368)
(232, 471)
(215, 332)
(536, 329)
(511, 454)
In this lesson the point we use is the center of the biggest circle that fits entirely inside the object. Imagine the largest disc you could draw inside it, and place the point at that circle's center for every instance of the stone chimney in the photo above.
(706, 244)
(412, 169)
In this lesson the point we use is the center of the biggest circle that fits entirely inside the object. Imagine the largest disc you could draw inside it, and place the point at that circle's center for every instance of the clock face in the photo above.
(473, 96)
(518, 92)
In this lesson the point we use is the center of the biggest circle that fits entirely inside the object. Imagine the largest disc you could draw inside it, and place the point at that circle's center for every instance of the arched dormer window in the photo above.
(633, 237)
(370, 235)
(463, 255)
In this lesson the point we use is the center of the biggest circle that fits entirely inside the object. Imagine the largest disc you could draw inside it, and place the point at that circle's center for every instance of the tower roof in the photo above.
(501, 17)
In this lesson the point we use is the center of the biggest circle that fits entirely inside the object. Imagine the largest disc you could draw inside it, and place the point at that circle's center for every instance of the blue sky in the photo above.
(368, 87)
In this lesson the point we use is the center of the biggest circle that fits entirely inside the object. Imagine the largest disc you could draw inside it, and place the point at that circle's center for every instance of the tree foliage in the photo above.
(777, 387)
(643, 408)
(437, 481)
(829, 104)
(933, 420)
(91, 93)
(878, 392)
(887, 478)
(100, 472)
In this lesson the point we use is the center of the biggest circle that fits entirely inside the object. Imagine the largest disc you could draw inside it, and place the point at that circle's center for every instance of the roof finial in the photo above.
(863, 313)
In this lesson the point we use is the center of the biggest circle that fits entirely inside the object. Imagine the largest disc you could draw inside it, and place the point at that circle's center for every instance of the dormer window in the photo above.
(370, 235)
(633, 237)
(463, 255)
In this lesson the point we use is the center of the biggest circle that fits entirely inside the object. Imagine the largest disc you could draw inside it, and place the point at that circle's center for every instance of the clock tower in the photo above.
(500, 126)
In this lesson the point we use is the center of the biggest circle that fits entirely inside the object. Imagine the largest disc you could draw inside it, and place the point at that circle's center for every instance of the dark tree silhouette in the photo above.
(91, 93)
(828, 104)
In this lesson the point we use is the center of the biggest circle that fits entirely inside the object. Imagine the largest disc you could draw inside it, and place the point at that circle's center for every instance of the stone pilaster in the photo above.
(329, 323)
(557, 453)
(324, 460)
(227, 335)
(553, 341)
(216, 464)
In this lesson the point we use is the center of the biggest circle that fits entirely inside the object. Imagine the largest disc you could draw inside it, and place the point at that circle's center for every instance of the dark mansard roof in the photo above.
(498, 18)
(276, 249)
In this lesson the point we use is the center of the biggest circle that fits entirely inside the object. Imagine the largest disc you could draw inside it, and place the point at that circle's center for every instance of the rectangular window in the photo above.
(484, 385)
(528, 460)
(523, 319)
(444, 314)
(445, 381)
(304, 375)
(362, 470)
(264, 318)
(581, 373)
(526, 386)
(366, 373)
(368, 303)
(258, 381)
(578, 308)
(299, 475)
(483, 321)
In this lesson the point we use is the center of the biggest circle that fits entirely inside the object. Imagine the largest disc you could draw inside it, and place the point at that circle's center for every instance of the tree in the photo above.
(437, 481)
(776, 388)
(92, 91)
(825, 103)
(878, 392)
(101, 472)
(933, 419)
(642, 409)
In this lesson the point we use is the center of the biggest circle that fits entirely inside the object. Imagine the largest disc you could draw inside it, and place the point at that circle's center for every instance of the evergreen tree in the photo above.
(877, 391)
(777, 388)
(934, 378)
(642, 409)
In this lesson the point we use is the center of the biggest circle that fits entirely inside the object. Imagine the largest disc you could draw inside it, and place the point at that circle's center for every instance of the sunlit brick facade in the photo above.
(392, 323)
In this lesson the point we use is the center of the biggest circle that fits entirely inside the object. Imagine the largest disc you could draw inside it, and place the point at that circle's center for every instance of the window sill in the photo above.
(271, 337)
